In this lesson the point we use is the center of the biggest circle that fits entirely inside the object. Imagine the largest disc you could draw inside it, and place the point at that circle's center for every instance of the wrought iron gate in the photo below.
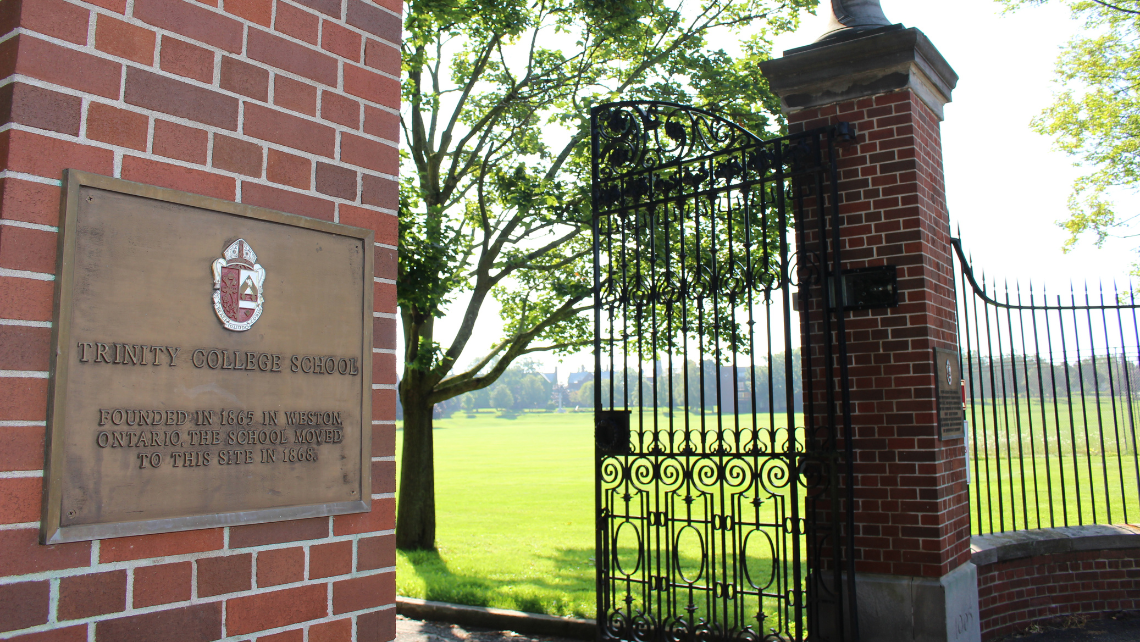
(717, 491)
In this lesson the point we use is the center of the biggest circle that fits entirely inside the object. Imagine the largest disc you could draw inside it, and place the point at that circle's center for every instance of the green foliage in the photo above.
(1095, 116)
(496, 129)
(496, 154)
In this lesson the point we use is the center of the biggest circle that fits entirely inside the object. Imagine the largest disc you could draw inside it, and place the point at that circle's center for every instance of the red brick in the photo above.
(292, 57)
(294, 95)
(383, 440)
(327, 560)
(220, 575)
(259, 11)
(287, 169)
(384, 333)
(280, 566)
(396, 6)
(383, 477)
(181, 178)
(187, 60)
(340, 109)
(55, 18)
(279, 532)
(25, 249)
(239, 156)
(293, 635)
(124, 40)
(374, 20)
(360, 593)
(69, 634)
(384, 224)
(196, 623)
(22, 399)
(380, 192)
(386, 268)
(162, 584)
(382, 517)
(290, 131)
(285, 201)
(328, 7)
(20, 500)
(92, 594)
(381, 124)
(384, 404)
(376, 552)
(276, 609)
(22, 447)
(192, 21)
(23, 605)
(384, 364)
(40, 108)
(145, 546)
(335, 631)
(337, 181)
(382, 56)
(340, 41)
(48, 157)
(59, 66)
(117, 126)
(21, 552)
(243, 78)
(360, 151)
(377, 626)
(29, 202)
(119, 6)
(371, 86)
(174, 97)
(180, 142)
(297, 23)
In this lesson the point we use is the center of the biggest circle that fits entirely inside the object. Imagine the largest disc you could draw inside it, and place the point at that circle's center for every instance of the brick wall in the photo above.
(1016, 593)
(286, 104)
(912, 510)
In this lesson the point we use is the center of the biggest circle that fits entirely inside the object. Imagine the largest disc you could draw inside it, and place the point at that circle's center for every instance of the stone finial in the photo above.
(852, 16)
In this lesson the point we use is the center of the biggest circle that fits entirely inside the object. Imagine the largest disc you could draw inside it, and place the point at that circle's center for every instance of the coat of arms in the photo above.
(238, 287)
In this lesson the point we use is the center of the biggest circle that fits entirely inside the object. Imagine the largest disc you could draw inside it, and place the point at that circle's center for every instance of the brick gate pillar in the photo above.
(914, 578)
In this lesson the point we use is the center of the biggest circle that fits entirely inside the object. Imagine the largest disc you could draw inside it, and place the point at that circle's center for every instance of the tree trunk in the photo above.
(415, 514)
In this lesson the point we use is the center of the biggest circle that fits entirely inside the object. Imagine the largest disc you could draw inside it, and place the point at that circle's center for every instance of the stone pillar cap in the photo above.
(880, 61)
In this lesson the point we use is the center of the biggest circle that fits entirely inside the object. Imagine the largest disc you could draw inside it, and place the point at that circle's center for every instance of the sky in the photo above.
(1006, 186)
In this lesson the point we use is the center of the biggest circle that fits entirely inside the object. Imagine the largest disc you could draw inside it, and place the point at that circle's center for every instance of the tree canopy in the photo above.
(494, 200)
(1095, 115)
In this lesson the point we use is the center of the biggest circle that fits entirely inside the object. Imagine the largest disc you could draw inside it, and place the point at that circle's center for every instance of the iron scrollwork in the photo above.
(708, 518)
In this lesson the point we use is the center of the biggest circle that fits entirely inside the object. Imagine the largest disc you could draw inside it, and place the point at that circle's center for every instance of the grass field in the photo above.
(515, 503)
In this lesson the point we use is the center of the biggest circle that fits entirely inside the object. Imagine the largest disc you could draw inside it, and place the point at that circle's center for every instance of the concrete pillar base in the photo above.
(895, 608)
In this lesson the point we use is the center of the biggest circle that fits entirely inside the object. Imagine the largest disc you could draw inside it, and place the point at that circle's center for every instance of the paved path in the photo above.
(1123, 628)
(417, 631)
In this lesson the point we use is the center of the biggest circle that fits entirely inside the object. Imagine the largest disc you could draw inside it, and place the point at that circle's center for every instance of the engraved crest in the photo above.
(238, 287)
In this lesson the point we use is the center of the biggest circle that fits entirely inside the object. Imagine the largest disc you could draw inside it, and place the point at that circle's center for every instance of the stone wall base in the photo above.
(895, 608)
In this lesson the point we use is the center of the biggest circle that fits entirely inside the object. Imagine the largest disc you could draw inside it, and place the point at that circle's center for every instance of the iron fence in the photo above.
(1052, 397)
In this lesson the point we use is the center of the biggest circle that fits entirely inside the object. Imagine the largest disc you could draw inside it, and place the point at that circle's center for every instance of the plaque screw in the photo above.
(71, 513)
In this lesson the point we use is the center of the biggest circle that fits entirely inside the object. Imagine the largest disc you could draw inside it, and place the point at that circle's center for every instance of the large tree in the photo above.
(494, 202)
(1095, 115)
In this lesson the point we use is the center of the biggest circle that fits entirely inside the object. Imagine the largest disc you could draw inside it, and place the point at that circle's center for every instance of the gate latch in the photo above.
(866, 288)
(611, 431)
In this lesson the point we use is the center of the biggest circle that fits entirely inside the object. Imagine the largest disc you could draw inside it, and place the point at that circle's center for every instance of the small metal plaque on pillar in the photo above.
(948, 374)
(211, 364)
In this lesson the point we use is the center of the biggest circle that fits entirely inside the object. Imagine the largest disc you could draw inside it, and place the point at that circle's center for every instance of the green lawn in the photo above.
(515, 502)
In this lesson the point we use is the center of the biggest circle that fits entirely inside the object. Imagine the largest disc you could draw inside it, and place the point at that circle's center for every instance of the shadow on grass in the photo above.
(568, 592)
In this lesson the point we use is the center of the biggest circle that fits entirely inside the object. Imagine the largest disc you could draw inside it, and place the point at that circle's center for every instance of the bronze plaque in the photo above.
(211, 364)
(948, 374)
